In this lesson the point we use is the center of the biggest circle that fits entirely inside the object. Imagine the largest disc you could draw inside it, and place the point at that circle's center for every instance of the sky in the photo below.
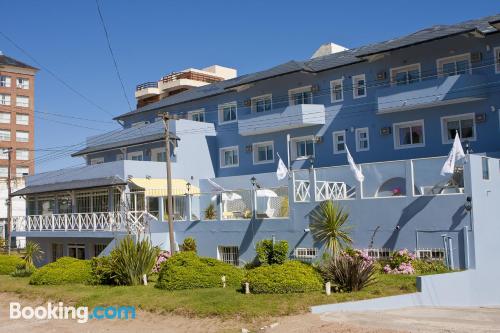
(78, 82)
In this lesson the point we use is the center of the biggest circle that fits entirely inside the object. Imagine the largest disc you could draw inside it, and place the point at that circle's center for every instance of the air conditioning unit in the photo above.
(248, 148)
(315, 88)
(480, 118)
(476, 57)
(386, 130)
(247, 102)
(382, 75)
(318, 139)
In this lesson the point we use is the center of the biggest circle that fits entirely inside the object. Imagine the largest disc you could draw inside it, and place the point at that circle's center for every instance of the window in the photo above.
(139, 123)
(409, 134)
(22, 154)
(430, 254)
(23, 101)
(359, 86)
(119, 157)
(57, 251)
(98, 248)
(23, 83)
(303, 147)
(302, 95)
(4, 81)
(4, 99)
(362, 139)
(198, 115)
(405, 74)
(337, 87)
(464, 124)
(379, 253)
(229, 157)
(22, 136)
(496, 50)
(158, 154)
(4, 155)
(485, 167)
(22, 171)
(4, 135)
(76, 251)
(305, 252)
(459, 64)
(229, 254)
(135, 156)
(262, 103)
(5, 117)
(227, 113)
(339, 142)
(22, 119)
(263, 152)
(97, 160)
(3, 172)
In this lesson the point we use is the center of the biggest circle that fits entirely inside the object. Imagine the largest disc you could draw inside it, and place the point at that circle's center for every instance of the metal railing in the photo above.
(190, 75)
(133, 221)
(146, 85)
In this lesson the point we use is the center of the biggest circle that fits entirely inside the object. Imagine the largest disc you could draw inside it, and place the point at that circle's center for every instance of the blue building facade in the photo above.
(396, 105)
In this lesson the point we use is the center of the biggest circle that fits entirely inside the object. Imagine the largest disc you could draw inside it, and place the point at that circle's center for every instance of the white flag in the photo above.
(355, 169)
(456, 153)
(282, 171)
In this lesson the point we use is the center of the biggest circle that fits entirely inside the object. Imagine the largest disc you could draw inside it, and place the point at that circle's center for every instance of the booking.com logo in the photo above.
(81, 314)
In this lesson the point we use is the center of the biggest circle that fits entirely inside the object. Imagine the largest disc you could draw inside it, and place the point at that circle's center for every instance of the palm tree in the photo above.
(33, 254)
(328, 225)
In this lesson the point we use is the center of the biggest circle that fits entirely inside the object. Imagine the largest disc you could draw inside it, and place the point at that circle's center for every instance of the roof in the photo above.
(8, 61)
(70, 185)
(482, 25)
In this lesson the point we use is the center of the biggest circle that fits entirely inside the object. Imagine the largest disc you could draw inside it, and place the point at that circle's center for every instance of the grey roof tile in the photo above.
(69, 185)
(8, 61)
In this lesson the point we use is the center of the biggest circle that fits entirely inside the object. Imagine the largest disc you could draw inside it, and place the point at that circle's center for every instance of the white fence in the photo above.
(133, 221)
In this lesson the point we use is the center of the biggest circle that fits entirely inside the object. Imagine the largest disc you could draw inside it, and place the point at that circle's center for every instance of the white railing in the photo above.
(301, 191)
(133, 221)
(326, 190)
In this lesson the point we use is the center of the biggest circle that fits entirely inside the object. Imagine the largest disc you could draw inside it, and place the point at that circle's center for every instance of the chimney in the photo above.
(328, 48)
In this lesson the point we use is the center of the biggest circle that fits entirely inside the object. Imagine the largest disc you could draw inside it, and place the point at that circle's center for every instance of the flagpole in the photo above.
(288, 151)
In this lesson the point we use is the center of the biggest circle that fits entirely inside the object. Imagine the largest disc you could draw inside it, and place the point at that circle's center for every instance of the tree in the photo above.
(328, 225)
(33, 254)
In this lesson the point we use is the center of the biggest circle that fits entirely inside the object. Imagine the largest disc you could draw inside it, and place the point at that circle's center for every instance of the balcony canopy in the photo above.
(157, 187)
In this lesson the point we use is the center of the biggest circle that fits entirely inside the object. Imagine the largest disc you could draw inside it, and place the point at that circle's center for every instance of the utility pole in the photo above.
(9, 200)
(166, 117)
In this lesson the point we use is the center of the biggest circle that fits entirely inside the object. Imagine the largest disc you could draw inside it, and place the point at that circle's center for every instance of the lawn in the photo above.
(224, 303)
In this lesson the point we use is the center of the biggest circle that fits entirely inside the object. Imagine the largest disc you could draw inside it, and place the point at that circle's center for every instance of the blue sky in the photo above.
(153, 38)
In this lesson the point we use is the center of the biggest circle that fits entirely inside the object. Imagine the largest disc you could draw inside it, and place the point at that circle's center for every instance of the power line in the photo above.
(112, 54)
(69, 124)
(74, 117)
(67, 85)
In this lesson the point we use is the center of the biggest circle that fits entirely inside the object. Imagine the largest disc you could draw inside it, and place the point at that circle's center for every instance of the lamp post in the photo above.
(253, 181)
(311, 162)
(188, 187)
(188, 198)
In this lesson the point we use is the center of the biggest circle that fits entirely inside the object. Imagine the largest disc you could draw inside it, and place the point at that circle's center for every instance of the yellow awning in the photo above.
(157, 187)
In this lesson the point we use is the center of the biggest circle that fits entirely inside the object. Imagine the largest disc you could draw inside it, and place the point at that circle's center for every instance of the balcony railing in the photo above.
(146, 85)
(189, 75)
(131, 221)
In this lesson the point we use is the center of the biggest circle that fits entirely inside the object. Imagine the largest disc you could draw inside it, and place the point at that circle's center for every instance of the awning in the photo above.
(157, 187)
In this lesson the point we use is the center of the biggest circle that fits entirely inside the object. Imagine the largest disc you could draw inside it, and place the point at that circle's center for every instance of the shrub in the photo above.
(400, 263)
(102, 271)
(8, 263)
(348, 272)
(210, 212)
(189, 244)
(429, 266)
(269, 253)
(33, 254)
(22, 270)
(65, 270)
(185, 270)
(131, 260)
(284, 208)
(291, 277)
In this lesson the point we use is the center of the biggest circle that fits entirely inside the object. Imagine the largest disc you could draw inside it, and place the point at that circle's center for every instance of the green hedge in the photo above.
(65, 270)
(429, 266)
(185, 270)
(291, 277)
(8, 263)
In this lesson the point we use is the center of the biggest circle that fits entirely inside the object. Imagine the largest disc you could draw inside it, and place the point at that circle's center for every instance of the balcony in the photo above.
(431, 92)
(294, 116)
(146, 89)
(186, 80)
(131, 221)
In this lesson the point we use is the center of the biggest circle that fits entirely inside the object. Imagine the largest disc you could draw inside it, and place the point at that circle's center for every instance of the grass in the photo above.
(224, 303)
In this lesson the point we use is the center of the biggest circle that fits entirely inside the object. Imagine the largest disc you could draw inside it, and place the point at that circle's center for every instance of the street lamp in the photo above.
(311, 162)
(468, 204)
(253, 180)
(188, 186)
